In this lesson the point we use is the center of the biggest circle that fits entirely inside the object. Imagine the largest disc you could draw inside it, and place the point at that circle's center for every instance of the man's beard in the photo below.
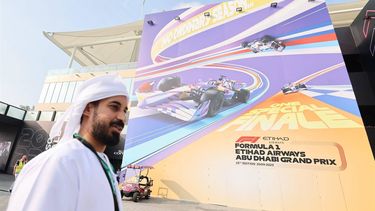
(100, 131)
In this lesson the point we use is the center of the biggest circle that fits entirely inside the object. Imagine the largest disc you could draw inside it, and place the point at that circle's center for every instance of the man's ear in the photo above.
(88, 110)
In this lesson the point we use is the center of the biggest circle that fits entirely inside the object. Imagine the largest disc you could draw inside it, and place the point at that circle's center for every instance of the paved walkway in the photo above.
(5, 182)
(154, 204)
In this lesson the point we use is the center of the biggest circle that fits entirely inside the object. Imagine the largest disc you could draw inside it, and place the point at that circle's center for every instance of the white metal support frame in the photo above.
(72, 58)
(76, 52)
(117, 40)
(87, 56)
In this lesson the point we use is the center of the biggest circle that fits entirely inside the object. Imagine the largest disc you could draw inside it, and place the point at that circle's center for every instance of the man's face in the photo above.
(24, 158)
(109, 120)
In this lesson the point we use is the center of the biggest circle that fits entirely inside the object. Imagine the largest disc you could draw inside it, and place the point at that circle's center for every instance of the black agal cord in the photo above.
(104, 165)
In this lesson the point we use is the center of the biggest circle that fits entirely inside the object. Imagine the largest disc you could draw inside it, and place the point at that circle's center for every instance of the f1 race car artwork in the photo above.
(192, 101)
(263, 44)
(292, 88)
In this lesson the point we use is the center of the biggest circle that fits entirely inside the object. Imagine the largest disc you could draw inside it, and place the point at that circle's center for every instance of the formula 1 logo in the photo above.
(251, 139)
(370, 16)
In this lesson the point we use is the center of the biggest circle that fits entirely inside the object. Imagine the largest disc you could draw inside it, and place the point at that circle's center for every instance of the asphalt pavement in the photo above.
(153, 204)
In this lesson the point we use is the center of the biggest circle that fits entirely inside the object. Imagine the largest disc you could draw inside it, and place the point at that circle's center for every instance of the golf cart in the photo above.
(139, 185)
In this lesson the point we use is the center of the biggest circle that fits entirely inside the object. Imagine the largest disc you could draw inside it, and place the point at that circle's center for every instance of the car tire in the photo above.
(279, 47)
(267, 39)
(287, 90)
(245, 44)
(169, 83)
(135, 196)
(243, 96)
(122, 193)
(216, 99)
(301, 86)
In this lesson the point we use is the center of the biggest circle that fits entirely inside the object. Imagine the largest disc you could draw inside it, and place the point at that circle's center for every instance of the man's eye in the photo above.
(114, 107)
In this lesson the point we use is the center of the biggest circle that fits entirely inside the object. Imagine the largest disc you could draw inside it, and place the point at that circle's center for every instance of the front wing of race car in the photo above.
(146, 100)
(186, 110)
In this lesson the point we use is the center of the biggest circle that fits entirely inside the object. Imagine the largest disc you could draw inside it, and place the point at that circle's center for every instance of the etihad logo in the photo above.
(251, 139)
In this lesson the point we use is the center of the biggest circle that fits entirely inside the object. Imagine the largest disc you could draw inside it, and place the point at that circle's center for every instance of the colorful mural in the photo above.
(249, 105)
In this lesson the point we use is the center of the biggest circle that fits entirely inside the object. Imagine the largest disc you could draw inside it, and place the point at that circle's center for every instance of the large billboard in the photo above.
(248, 104)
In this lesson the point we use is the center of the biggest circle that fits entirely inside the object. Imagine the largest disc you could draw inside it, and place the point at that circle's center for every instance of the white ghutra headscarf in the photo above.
(94, 89)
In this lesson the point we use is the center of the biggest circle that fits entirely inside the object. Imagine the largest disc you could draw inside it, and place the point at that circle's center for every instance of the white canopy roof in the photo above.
(112, 45)
(343, 14)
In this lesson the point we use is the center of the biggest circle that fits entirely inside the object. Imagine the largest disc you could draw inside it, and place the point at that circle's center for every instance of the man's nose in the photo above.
(121, 116)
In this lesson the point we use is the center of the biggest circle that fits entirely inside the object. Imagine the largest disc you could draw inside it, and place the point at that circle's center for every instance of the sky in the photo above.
(26, 55)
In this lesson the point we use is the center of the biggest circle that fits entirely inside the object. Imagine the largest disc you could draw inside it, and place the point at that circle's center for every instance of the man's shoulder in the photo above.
(72, 144)
(69, 151)
(70, 148)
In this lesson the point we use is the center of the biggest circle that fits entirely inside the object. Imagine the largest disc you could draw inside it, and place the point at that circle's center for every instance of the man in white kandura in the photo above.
(76, 174)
